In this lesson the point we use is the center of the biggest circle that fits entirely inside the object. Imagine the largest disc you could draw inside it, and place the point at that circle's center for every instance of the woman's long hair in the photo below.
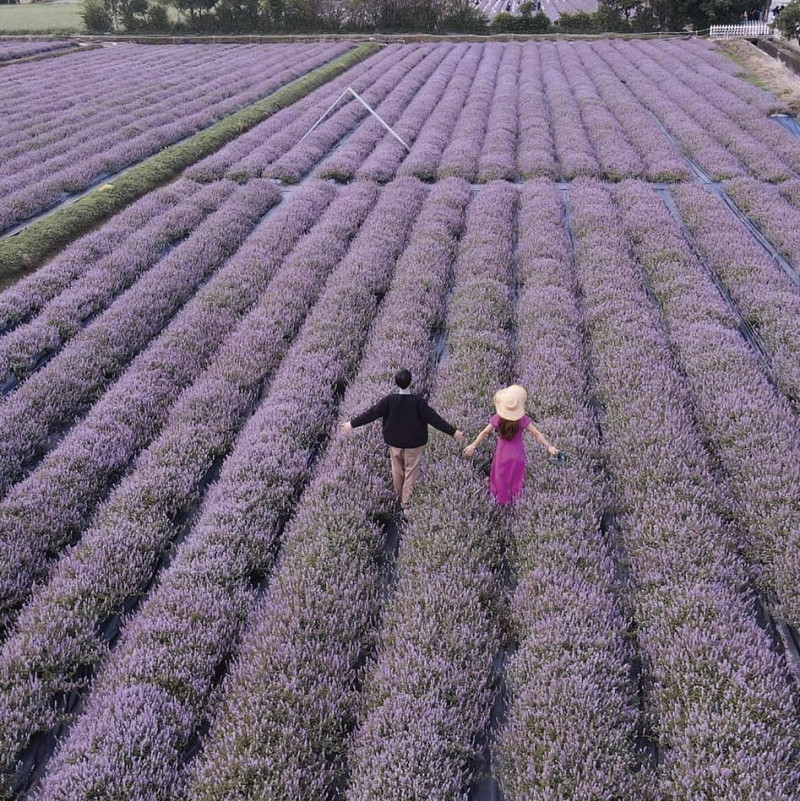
(507, 428)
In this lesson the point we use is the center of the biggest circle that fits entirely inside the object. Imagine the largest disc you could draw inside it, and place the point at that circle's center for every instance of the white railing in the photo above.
(747, 29)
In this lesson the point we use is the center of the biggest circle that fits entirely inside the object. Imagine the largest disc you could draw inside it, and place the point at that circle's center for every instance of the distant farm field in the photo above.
(41, 17)
(207, 588)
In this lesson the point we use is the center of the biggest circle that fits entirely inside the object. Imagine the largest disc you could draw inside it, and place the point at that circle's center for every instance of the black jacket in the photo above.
(405, 420)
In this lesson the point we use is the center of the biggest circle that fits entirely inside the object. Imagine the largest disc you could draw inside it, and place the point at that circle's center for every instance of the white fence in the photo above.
(747, 29)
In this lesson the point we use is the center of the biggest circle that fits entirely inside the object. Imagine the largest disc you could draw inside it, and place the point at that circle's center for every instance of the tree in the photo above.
(134, 15)
(788, 18)
(522, 23)
(96, 16)
(675, 15)
(579, 22)
(461, 16)
(196, 8)
(238, 15)
(158, 17)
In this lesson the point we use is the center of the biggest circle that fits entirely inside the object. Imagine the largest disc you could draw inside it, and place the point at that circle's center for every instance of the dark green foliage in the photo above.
(612, 16)
(96, 16)
(32, 246)
(644, 21)
(539, 23)
(134, 15)
(238, 15)
(788, 18)
(522, 22)
(195, 8)
(505, 23)
(699, 14)
(664, 15)
(461, 17)
(579, 22)
(157, 18)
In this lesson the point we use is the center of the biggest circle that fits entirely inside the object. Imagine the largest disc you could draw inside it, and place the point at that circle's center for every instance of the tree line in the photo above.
(401, 16)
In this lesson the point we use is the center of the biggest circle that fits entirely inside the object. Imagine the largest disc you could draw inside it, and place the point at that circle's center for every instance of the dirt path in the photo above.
(765, 71)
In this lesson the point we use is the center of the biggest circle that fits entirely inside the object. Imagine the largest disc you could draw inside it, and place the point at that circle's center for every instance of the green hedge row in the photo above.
(31, 246)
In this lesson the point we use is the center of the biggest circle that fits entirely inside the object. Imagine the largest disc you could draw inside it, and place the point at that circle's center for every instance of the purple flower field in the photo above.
(66, 127)
(13, 50)
(207, 591)
(553, 8)
(516, 111)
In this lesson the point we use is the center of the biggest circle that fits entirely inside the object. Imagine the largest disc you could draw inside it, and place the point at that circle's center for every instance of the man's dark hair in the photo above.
(402, 378)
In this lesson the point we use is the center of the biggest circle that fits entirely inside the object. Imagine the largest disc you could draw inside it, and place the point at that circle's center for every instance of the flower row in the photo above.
(49, 401)
(28, 296)
(572, 720)
(464, 145)
(116, 558)
(662, 161)
(751, 427)
(435, 130)
(718, 693)
(12, 50)
(712, 63)
(772, 212)
(164, 637)
(390, 90)
(765, 295)
(429, 692)
(53, 505)
(729, 137)
(536, 148)
(509, 110)
(117, 110)
(27, 347)
(290, 698)
(252, 152)
(382, 163)
(691, 135)
(737, 100)
(155, 77)
(406, 99)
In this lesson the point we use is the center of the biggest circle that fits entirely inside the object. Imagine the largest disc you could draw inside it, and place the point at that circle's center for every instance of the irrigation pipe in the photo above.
(366, 106)
(717, 188)
(747, 330)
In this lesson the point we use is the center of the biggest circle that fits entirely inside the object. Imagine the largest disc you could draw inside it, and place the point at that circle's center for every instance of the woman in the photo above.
(508, 466)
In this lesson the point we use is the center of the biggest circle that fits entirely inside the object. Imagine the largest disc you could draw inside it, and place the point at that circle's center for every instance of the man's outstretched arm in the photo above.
(375, 412)
(430, 416)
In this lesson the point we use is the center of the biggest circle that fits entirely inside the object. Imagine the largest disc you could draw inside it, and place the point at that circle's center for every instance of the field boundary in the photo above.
(381, 38)
(81, 47)
(780, 53)
(29, 248)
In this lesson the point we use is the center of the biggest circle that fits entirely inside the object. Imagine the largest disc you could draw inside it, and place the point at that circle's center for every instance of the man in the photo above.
(406, 418)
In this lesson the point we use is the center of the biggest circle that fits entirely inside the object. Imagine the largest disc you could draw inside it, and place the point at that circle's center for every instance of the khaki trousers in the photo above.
(405, 468)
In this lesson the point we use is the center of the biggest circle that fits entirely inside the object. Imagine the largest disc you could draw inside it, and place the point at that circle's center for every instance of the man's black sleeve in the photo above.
(430, 417)
(376, 412)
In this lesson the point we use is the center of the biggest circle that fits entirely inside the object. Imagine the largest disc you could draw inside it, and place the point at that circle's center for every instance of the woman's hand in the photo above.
(469, 450)
(553, 451)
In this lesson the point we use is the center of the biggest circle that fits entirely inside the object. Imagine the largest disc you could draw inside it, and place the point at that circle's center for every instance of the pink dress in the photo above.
(508, 466)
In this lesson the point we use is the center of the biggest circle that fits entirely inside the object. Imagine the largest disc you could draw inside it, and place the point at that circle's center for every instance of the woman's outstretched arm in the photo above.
(470, 449)
(540, 438)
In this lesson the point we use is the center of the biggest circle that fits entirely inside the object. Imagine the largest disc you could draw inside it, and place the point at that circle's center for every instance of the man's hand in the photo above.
(459, 435)
(346, 428)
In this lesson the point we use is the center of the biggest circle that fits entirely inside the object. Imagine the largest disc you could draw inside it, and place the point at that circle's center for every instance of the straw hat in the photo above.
(510, 402)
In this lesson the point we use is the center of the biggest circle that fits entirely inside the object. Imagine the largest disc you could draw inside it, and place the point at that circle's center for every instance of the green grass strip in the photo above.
(30, 247)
